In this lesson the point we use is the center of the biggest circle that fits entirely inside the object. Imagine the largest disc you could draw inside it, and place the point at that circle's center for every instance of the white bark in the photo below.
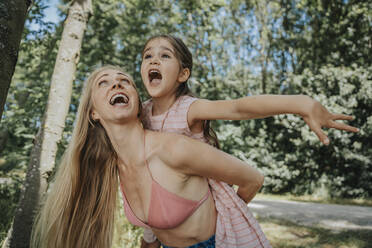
(61, 85)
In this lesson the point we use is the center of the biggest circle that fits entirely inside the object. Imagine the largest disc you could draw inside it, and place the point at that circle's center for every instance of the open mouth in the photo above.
(119, 99)
(154, 74)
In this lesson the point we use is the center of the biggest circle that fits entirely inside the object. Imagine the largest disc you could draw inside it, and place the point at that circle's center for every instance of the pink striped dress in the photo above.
(236, 226)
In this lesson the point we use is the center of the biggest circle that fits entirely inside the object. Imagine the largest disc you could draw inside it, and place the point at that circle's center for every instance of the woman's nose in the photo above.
(117, 85)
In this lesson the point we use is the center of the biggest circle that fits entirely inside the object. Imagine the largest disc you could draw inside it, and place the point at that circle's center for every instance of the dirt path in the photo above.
(325, 215)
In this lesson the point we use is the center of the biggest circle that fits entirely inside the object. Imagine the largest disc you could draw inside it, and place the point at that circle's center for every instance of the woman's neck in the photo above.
(162, 104)
(128, 141)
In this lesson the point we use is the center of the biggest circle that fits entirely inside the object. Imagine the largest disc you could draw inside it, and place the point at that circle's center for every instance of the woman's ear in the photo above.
(184, 75)
(94, 115)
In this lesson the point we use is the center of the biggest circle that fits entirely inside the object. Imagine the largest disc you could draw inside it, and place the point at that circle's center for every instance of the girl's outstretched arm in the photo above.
(261, 106)
(193, 157)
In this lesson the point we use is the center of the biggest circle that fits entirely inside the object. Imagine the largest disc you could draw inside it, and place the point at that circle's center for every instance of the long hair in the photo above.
(80, 207)
(184, 57)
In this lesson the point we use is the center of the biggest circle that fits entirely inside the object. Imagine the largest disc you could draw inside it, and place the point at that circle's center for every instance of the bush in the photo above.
(9, 196)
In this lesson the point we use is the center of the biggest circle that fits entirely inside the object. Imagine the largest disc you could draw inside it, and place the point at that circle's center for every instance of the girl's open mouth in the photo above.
(155, 76)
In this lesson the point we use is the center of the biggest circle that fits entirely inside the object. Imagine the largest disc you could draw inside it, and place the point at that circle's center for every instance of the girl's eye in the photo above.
(166, 56)
(147, 56)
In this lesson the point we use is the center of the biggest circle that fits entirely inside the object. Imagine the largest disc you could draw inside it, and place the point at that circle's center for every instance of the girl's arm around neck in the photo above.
(194, 158)
(314, 114)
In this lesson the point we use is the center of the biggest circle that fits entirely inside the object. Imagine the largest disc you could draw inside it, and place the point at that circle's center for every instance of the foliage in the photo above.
(125, 234)
(25, 104)
(28, 92)
(240, 48)
(347, 161)
(9, 194)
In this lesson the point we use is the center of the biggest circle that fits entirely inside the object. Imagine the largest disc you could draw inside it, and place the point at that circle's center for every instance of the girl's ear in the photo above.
(183, 75)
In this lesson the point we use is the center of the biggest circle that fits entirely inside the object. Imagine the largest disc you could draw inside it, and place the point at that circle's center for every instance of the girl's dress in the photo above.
(236, 225)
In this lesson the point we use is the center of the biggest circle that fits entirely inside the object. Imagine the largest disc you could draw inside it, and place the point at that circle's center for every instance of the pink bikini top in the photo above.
(167, 210)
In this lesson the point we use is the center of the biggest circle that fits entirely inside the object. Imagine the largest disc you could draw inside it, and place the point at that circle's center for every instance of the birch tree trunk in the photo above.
(42, 158)
(263, 18)
(12, 20)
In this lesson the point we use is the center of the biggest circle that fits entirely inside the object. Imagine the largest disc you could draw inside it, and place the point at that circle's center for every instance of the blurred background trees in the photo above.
(319, 48)
(45, 144)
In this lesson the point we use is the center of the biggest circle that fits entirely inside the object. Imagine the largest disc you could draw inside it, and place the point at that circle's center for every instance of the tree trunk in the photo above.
(42, 159)
(262, 18)
(12, 20)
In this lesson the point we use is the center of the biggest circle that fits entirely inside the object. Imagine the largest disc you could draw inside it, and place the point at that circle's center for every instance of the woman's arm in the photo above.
(314, 114)
(192, 157)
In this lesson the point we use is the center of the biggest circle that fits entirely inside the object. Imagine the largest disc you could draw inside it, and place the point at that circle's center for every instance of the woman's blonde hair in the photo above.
(79, 209)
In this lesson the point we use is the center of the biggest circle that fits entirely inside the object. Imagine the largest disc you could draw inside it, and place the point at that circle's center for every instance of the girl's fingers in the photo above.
(342, 126)
(343, 117)
(322, 137)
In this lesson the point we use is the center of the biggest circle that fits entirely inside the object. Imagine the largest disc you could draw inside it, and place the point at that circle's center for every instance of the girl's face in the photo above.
(114, 97)
(160, 69)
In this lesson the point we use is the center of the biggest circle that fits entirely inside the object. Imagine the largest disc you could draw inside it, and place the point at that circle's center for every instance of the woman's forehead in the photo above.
(112, 72)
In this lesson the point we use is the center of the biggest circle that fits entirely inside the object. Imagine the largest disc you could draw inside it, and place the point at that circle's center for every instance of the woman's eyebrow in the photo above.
(126, 77)
(103, 75)
(120, 73)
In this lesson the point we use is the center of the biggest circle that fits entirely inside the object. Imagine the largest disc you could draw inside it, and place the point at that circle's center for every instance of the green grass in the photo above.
(280, 233)
(286, 234)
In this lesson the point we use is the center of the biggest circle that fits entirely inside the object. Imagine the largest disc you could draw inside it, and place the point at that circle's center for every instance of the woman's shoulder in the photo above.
(169, 147)
(163, 140)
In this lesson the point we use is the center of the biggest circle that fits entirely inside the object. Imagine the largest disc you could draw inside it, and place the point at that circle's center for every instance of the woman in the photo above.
(162, 176)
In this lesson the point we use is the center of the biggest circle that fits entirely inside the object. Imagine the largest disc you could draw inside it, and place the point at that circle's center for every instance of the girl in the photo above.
(162, 176)
(166, 67)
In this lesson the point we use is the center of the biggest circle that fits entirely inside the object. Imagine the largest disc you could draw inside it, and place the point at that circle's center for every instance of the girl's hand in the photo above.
(155, 244)
(318, 116)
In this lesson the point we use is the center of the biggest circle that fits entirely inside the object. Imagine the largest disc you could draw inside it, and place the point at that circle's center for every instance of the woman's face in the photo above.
(114, 97)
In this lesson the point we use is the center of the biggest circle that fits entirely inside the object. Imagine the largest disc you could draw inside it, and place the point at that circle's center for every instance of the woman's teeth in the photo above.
(120, 99)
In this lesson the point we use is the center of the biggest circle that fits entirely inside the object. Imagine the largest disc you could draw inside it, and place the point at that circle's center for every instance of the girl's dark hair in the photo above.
(184, 57)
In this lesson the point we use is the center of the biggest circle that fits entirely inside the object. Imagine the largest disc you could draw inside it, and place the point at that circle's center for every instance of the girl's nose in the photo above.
(154, 61)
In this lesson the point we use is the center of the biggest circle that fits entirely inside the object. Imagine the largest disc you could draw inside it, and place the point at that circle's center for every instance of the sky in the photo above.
(51, 13)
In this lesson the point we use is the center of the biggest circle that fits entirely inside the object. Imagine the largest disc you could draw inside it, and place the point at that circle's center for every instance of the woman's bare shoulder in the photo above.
(163, 140)
(166, 146)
